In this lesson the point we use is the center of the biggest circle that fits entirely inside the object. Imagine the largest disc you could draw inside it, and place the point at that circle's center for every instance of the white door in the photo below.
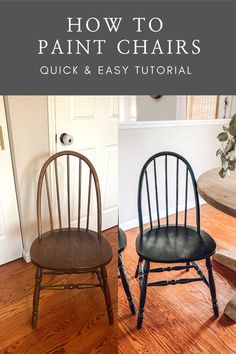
(10, 235)
(92, 122)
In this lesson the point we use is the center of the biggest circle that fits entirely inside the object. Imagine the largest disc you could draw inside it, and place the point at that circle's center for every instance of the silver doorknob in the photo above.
(66, 139)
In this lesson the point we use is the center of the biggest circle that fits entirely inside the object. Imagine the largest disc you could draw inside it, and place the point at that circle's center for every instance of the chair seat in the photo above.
(70, 249)
(122, 240)
(175, 244)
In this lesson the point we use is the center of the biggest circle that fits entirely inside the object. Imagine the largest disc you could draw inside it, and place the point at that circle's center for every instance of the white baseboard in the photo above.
(134, 222)
(26, 256)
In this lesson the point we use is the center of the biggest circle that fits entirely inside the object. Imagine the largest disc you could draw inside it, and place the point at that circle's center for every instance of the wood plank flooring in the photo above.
(70, 321)
(179, 319)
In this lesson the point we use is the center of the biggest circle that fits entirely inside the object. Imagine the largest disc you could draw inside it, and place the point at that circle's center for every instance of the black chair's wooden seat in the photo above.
(175, 244)
(71, 249)
(122, 241)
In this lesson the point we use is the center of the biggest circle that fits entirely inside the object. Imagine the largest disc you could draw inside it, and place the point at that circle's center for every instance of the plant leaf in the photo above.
(223, 136)
(232, 165)
(223, 158)
(232, 125)
(229, 146)
(222, 173)
(226, 129)
(225, 165)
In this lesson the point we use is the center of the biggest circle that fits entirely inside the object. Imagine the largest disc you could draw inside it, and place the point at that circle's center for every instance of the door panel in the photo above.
(110, 194)
(10, 235)
(92, 122)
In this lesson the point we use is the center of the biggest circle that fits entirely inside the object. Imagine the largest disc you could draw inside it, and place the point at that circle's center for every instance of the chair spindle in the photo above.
(148, 198)
(58, 193)
(89, 197)
(49, 201)
(68, 188)
(166, 185)
(186, 198)
(156, 192)
(79, 192)
(177, 192)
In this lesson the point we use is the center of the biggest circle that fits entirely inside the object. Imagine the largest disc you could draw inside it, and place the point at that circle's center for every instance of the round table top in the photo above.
(219, 192)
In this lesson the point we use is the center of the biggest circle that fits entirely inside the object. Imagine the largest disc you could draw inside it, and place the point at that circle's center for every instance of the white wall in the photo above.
(138, 141)
(233, 106)
(28, 124)
(150, 109)
(165, 108)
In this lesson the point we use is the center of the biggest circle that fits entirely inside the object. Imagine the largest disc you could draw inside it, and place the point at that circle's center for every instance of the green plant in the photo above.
(227, 151)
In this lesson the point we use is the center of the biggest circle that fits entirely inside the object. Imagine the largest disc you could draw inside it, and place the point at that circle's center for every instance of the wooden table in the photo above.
(221, 194)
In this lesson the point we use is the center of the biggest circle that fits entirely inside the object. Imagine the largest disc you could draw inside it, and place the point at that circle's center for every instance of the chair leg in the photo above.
(188, 263)
(212, 287)
(107, 295)
(143, 294)
(99, 277)
(38, 280)
(139, 267)
(125, 284)
(136, 272)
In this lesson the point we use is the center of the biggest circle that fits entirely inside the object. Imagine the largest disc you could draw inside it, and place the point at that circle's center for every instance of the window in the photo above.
(145, 108)
(202, 107)
(127, 108)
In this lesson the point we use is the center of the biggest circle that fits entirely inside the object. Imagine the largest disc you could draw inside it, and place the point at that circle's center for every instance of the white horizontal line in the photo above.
(170, 123)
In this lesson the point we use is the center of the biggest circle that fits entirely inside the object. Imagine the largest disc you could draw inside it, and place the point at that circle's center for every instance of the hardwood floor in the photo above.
(179, 319)
(70, 321)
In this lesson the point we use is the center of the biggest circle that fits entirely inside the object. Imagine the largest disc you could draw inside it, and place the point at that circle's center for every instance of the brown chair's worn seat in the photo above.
(68, 249)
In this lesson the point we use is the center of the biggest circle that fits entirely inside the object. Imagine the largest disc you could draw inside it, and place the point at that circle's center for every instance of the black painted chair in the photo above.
(122, 243)
(170, 243)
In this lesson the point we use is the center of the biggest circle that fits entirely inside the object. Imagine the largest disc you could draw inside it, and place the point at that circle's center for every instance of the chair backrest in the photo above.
(55, 181)
(157, 180)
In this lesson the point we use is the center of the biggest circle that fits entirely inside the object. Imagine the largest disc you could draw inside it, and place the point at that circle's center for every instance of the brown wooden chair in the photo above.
(69, 249)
